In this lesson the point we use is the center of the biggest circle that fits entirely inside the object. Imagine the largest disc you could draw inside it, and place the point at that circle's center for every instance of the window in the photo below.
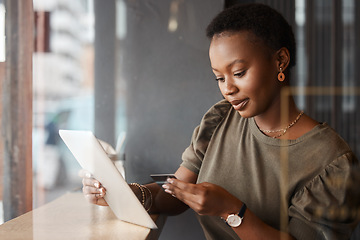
(2, 31)
(326, 34)
(71, 88)
(63, 95)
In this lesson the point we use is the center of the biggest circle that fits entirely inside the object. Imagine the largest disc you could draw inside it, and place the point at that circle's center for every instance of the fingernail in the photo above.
(165, 186)
(170, 180)
(97, 185)
(168, 191)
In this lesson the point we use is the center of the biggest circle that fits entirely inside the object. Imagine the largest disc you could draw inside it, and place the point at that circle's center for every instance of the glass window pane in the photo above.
(63, 91)
(2, 31)
(2, 72)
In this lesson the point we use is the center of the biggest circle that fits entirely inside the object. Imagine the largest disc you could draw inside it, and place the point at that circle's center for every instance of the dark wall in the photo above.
(168, 79)
(169, 86)
(105, 60)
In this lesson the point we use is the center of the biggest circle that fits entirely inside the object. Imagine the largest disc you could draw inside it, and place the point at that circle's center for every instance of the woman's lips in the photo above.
(239, 104)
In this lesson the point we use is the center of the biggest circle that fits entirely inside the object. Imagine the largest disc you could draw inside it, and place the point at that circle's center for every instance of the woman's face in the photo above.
(246, 71)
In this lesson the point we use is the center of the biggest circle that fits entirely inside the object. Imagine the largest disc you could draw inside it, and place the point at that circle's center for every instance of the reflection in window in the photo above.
(301, 67)
(326, 34)
(2, 59)
(62, 91)
(348, 21)
(2, 31)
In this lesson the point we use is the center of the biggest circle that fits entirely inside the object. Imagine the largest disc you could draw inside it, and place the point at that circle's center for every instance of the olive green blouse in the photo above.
(308, 181)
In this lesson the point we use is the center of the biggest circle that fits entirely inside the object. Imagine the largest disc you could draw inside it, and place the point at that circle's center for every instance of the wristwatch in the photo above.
(234, 220)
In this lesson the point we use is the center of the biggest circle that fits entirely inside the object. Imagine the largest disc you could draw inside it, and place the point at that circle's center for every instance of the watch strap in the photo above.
(242, 210)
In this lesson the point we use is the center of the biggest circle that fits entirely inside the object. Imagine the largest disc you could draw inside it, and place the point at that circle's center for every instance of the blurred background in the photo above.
(139, 69)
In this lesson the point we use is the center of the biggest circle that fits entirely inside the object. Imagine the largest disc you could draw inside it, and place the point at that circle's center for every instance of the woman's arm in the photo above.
(159, 202)
(164, 202)
(210, 199)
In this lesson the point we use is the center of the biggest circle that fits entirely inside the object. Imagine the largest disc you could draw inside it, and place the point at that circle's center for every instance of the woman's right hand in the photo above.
(92, 189)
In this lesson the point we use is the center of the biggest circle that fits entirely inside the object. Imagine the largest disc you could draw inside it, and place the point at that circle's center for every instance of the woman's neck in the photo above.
(274, 118)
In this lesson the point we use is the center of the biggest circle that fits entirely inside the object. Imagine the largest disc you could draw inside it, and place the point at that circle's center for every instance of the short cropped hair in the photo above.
(264, 22)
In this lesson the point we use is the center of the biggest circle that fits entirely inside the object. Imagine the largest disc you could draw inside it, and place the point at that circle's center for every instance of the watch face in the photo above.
(233, 220)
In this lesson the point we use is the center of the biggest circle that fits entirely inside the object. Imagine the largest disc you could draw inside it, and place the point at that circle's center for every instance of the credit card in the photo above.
(161, 178)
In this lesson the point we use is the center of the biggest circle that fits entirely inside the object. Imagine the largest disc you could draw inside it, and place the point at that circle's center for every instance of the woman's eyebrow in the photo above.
(231, 64)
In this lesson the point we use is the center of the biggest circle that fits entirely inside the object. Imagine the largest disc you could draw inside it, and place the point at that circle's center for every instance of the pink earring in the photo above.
(281, 75)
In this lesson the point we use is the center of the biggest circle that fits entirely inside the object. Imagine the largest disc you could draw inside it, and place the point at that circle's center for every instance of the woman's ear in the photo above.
(283, 58)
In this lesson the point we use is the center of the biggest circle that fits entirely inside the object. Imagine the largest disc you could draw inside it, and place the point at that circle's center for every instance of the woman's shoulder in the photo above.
(203, 133)
(326, 135)
(321, 199)
(213, 118)
(219, 110)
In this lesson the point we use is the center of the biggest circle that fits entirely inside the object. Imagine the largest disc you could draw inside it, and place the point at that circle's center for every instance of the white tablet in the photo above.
(91, 156)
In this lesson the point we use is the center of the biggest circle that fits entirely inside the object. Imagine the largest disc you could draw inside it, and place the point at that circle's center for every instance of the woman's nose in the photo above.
(229, 87)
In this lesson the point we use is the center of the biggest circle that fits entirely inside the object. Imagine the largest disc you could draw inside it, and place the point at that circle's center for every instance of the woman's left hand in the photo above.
(204, 198)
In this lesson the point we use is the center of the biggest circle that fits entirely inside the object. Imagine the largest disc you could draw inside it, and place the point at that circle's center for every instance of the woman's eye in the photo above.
(240, 74)
(221, 79)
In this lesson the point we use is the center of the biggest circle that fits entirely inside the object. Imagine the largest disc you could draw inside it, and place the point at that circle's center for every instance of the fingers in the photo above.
(186, 192)
(96, 188)
(95, 195)
(94, 200)
(169, 187)
(92, 189)
(88, 179)
(203, 198)
(176, 185)
(189, 187)
(92, 182)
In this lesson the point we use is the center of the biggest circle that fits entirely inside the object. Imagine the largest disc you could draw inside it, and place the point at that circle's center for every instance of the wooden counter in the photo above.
(72, 217)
